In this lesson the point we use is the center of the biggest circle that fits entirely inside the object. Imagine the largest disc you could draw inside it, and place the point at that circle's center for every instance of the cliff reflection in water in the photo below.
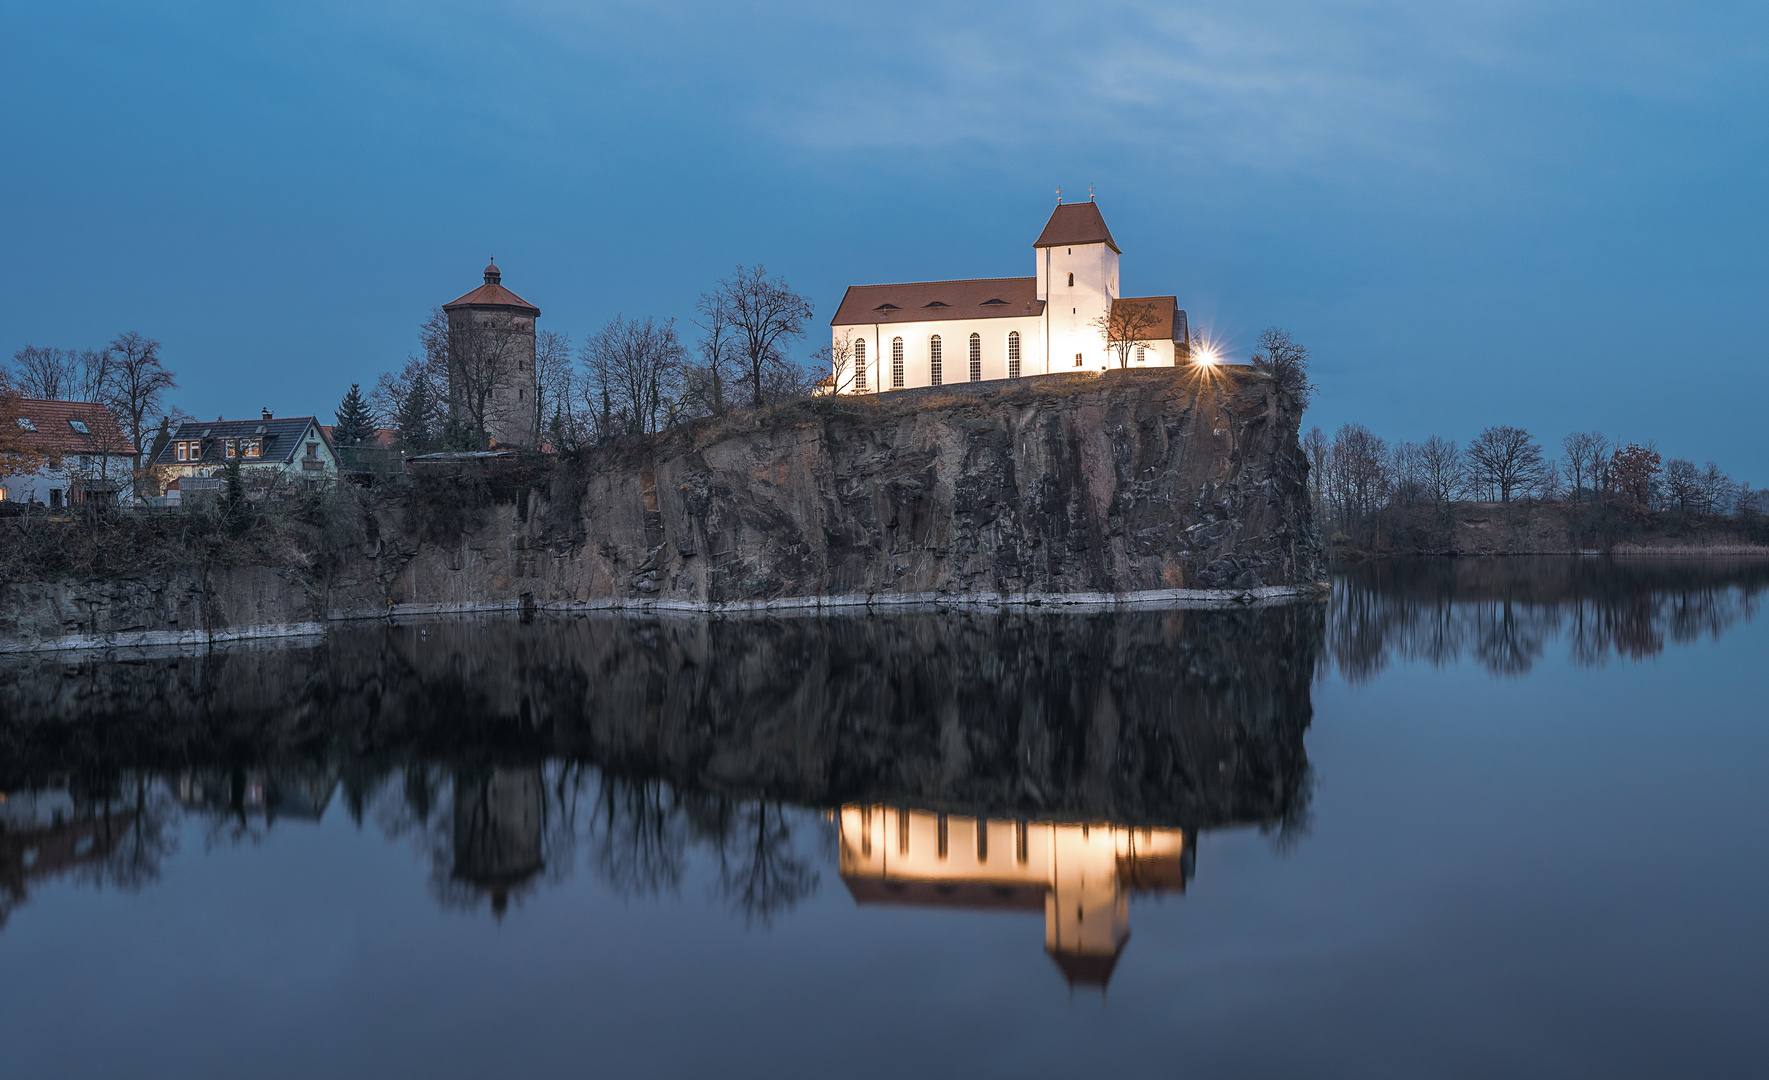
(510, 755)
(1504, 613)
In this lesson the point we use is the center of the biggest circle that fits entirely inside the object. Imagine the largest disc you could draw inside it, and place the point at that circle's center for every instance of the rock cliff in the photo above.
(1162, 485)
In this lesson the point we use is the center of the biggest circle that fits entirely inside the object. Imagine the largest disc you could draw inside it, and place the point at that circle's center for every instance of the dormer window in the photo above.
(80, 427)
(885, 307)
(25, 423)
(181, 451)
(232, 447)
(993, 303)
(937, 303)
(252, 448)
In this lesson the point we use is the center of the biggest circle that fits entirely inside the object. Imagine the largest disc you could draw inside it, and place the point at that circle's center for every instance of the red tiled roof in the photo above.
(54, 432)
(1076, 223)
(493, 296)
(930, 301)
(382, 438)
(1169, 322)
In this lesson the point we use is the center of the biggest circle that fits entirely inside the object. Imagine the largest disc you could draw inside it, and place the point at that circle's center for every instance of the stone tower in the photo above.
(491, 377)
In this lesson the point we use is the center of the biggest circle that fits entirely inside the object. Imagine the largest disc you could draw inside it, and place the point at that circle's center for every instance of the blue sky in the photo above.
(1544, 214)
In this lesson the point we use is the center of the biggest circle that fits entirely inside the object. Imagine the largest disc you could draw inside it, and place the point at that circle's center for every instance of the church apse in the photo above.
(1078, 875)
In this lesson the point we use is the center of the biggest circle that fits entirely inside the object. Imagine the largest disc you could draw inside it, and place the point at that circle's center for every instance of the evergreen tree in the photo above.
(355, 424)
(413, 421)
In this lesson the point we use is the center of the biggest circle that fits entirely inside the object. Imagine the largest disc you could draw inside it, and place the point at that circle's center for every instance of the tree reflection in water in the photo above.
(1505, 612)
(510, 755)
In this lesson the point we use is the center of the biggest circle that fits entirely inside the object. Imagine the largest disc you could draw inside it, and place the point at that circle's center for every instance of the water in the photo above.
(1471, 818)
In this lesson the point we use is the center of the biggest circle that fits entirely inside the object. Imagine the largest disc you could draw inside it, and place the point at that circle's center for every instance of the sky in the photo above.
(1550, 215)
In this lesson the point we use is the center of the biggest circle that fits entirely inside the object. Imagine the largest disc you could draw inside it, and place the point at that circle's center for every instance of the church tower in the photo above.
(1077, 280)
(491, 377)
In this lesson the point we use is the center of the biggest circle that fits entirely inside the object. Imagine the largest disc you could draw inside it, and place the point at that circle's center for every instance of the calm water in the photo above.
(1471, 818)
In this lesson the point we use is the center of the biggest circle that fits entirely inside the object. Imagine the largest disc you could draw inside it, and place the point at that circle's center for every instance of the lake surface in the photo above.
(1469, 818)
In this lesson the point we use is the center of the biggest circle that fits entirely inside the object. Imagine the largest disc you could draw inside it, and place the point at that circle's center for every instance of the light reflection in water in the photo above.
(1080, 876)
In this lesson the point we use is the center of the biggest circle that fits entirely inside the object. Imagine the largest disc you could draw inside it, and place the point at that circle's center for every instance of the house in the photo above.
(933, 333)
(288, 451)
(87, 457)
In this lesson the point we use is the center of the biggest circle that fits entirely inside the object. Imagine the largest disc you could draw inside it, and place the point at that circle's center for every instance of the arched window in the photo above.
(1013, 355)
(933, 360)
(976, 358)
(1077, 359)
(1142, 354)
(897, 362)
(859, 364)
(1071, 281)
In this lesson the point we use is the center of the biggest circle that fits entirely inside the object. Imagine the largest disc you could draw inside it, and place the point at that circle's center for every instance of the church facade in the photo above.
(933, 333)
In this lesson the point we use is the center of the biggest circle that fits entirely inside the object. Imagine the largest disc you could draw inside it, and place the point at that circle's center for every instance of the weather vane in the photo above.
(1059, 196)
(1090, 193)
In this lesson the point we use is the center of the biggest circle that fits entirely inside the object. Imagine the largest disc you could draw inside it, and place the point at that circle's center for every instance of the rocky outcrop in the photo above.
(1162, 485)
(1155, 483)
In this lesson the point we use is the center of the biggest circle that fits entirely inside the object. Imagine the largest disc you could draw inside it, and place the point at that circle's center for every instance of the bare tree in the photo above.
(1583, 449)
(1407, 465)
(1287, 362)
(764, 313)
(1358, 483)
(1683, 484)
(718, 352)
(17, 457)
(1319, 452)
(1129, 325)
(1718, 492)
(45, 372)
(138, 381)
(1440, 462)
(837, 358)
(633, 370)
(555, 376)
(1506, 460)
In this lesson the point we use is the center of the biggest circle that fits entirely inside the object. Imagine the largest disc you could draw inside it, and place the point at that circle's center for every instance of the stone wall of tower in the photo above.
(491, 351)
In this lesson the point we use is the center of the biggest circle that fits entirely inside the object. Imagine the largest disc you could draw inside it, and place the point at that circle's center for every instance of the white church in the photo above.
(933, 333)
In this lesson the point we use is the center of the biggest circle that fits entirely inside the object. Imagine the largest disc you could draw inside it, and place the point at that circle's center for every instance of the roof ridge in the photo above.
(945, 281)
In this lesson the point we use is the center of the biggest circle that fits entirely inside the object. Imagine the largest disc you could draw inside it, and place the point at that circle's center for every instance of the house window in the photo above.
(860, 364)
(976, 358)
(25, 423)
(312, 451)
(181, 449)
(933, 360)
(233, 446)
(1142, 354)
(897, 362)
(1077, 359)
(1013, 355)
(1071, 281)
(254, 448)
(55, 498)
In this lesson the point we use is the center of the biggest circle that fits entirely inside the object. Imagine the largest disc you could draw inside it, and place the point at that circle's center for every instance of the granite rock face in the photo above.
(1116, 484)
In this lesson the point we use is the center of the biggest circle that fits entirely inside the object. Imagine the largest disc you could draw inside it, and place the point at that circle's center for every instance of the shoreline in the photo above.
(1067, 603)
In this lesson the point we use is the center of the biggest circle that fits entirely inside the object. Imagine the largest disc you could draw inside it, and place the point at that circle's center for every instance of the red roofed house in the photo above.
(89, 457)
(930, 333)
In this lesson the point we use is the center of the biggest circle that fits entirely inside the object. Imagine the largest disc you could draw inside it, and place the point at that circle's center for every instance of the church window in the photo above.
(902, 832)
(1077, 359)
(860, 364)
(976, 358)
(1020, 852)
(1013, 355)
(897, 362)
(1071, 281)
(942, 835)
(933, 360)
(982, 840)
(1142, 354)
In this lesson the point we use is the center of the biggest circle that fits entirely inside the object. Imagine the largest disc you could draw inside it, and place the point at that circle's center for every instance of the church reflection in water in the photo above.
(1079, 876)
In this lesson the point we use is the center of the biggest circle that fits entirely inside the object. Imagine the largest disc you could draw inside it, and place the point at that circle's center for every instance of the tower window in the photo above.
(1013, 355)
(897, 362)
(860, 364)
(976, 358)
(1071, 281)
(933, 360)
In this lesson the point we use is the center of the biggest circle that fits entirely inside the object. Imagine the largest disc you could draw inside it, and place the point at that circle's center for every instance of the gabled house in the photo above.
(291, 451)
(88, 458)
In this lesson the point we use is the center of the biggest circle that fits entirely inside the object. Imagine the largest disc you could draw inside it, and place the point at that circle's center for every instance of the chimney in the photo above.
(267, 415)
